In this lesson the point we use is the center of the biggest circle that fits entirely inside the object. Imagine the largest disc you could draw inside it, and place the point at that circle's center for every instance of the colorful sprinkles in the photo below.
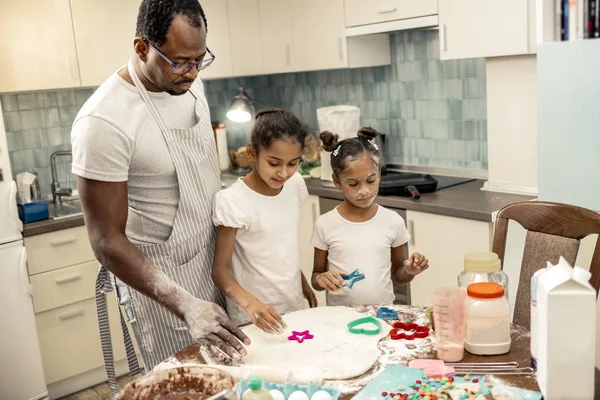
(433, 389)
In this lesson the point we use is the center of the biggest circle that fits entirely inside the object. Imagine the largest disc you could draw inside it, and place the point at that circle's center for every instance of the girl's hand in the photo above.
(265, 317)
(310, 296)
(416, 264)
(331, 280)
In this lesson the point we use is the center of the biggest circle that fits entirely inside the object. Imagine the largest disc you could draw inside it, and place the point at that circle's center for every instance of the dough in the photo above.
(333, 353)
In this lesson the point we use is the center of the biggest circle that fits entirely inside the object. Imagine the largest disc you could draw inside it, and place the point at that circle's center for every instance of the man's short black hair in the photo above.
(155, 18)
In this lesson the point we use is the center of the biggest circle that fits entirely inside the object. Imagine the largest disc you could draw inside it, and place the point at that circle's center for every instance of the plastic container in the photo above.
(483, 267)
(449, 311)
(488, 319)
(533, 325)
(256, 391)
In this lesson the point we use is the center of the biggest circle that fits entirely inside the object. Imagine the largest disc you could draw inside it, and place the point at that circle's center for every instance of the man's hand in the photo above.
(208, 325)
(416, 264)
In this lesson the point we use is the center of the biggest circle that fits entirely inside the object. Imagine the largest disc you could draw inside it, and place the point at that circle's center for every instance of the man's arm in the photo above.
(105, 210)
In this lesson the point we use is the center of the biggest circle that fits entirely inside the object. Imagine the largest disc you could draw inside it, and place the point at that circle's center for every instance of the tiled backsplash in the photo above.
(38, 124)
(433, 111)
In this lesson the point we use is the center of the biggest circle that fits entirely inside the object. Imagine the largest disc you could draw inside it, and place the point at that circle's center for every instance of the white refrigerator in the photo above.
(22, 373)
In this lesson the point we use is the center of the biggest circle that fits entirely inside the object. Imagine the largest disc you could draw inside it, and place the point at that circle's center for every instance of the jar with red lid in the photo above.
(488, 319)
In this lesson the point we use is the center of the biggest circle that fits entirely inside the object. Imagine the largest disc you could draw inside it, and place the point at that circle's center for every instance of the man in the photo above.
(144, 153)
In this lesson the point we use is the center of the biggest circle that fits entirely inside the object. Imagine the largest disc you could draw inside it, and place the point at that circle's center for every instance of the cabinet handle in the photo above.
(411, 231)
(74, 68)
(75, 277)
(70, 315)
(341, 48)
(443, 37)
(387, 10)
(314, 212)
(24, 275)
(288, 55)
(61, 242)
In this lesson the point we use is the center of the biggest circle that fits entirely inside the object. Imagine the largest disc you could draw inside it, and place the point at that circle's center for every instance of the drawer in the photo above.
(365, 12)
(70, 339)
(59, 249)
(64, 286)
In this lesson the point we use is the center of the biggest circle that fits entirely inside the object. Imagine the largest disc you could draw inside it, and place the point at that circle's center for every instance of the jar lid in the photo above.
(485, 290)
(482, 262)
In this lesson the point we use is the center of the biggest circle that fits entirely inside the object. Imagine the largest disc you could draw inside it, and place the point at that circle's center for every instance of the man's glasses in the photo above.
(184, 68)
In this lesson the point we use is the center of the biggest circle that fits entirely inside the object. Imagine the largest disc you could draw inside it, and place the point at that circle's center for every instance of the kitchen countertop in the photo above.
(466, 200)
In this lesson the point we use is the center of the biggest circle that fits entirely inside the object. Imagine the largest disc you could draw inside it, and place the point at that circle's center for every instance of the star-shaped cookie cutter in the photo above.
(403, 331)
(300, 336)
(352, 278)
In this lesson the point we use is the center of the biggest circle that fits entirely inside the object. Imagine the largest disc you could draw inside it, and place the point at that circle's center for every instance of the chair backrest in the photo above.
(553, 230)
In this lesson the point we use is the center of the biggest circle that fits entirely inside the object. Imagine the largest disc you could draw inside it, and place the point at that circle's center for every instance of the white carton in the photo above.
(566, 324)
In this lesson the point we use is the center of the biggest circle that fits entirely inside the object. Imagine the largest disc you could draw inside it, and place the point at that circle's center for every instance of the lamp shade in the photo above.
(241, 108)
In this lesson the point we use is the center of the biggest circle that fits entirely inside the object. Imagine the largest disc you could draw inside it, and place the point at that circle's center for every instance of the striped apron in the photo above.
(186, 257)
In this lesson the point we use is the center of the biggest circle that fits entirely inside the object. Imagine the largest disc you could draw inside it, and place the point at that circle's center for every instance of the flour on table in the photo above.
(333, 353)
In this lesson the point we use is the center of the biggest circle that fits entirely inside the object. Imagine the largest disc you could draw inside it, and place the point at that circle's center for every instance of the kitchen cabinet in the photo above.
(218, 40)
(104, 32)
(444, 241)
(364, 12)
(473, 28)
(319, 34)
(38, 46)
(306, 224)
(276, 35)
(245, 37)
(62, 272)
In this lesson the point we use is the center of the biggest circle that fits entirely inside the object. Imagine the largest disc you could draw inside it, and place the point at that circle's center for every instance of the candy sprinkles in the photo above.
(438, 388)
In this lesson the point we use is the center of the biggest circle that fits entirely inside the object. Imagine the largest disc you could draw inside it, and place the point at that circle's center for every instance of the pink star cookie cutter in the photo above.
(300, 336)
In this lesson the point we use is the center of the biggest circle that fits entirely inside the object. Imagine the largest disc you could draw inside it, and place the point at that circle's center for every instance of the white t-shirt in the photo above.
(265, 259)
(366, 246)
(116, 139)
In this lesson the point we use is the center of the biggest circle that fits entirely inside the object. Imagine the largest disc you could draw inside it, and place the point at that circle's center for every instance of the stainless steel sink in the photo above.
(65, 208)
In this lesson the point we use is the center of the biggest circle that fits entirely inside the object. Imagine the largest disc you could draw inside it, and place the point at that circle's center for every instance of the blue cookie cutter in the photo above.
(352, 278)
(386, 313)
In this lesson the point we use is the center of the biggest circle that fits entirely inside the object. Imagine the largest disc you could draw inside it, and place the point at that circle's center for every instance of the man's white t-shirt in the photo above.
(366, 246)
(265, 259)
(115, 138)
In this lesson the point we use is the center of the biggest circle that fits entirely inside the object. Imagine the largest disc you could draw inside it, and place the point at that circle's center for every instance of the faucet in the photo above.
(57, 191)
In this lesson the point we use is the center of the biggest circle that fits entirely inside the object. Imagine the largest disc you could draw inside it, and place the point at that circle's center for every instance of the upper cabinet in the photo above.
(217, 40)
(364, 12)
(37, 46)
(475, 28)
(102, 51)
(276, 35)
(319, 34)
(244, 33)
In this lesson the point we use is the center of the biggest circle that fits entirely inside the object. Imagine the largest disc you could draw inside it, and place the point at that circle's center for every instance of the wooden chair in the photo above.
(553, 230)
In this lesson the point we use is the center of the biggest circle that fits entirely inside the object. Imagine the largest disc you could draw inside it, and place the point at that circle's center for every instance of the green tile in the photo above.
(9, 102)
(474, 88)
(456, 149)
(455, 109)
(441, 149)
(405, 53)
(289, 79)
(435, 70)
(472, 150)
(82, 95)
(412, 128)
(32, 138)
(321, 77)
(425, 147)
(433, 45)
(368, 75)
(356, 92)
(421, 90)
(67, 115)
(435, 129)
(381, 91)
(483, 148)
(473, 109)
(41, 158)
(381, 74)
(451, 69)
(421, 51)
(12, 121)
(22, 160)
(27, 101)
(14, 141)
(369, 91)
(356, 75)
(407, 108)
(66, 134)
(50, 117)
(333, 77)
(54, 136)
(468, 68)
(452, 89)
(31, 119)
(455, 129)
(475, 130)
(381, 110)
(417, 36)
(66, 98)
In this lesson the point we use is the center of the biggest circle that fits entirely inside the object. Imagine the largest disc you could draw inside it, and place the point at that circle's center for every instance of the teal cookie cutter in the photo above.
(354, 326)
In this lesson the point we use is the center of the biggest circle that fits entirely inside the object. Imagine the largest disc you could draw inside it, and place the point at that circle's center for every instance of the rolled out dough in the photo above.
(333, 353)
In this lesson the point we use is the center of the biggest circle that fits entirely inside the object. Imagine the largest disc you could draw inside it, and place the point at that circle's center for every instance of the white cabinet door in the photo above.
(319, 34)
(444, 241)
(104, 33)
(245, 37)
(276, 35)
(364, 12)
(217, 40)
(37, 46)
(475, 28)
(308, 215)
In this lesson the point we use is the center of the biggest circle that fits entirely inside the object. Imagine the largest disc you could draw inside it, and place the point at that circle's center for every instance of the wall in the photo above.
(512, 124)
(433, 111)
(38, 124)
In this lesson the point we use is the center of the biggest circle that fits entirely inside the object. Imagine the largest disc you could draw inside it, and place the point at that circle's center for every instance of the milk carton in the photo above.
(566, 323)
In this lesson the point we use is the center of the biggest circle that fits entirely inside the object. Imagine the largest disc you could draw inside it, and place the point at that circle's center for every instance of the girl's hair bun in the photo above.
(330, 140)
(367, 132)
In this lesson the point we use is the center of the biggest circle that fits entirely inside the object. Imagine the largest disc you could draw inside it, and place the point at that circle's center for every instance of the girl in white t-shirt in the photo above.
(256, 261)
(359, 234)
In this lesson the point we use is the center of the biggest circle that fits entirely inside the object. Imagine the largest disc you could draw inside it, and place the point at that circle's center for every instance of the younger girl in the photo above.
(359, 234)
(256, 260)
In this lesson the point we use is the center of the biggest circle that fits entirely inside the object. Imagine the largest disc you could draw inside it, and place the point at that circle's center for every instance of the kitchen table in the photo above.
(426, 349)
